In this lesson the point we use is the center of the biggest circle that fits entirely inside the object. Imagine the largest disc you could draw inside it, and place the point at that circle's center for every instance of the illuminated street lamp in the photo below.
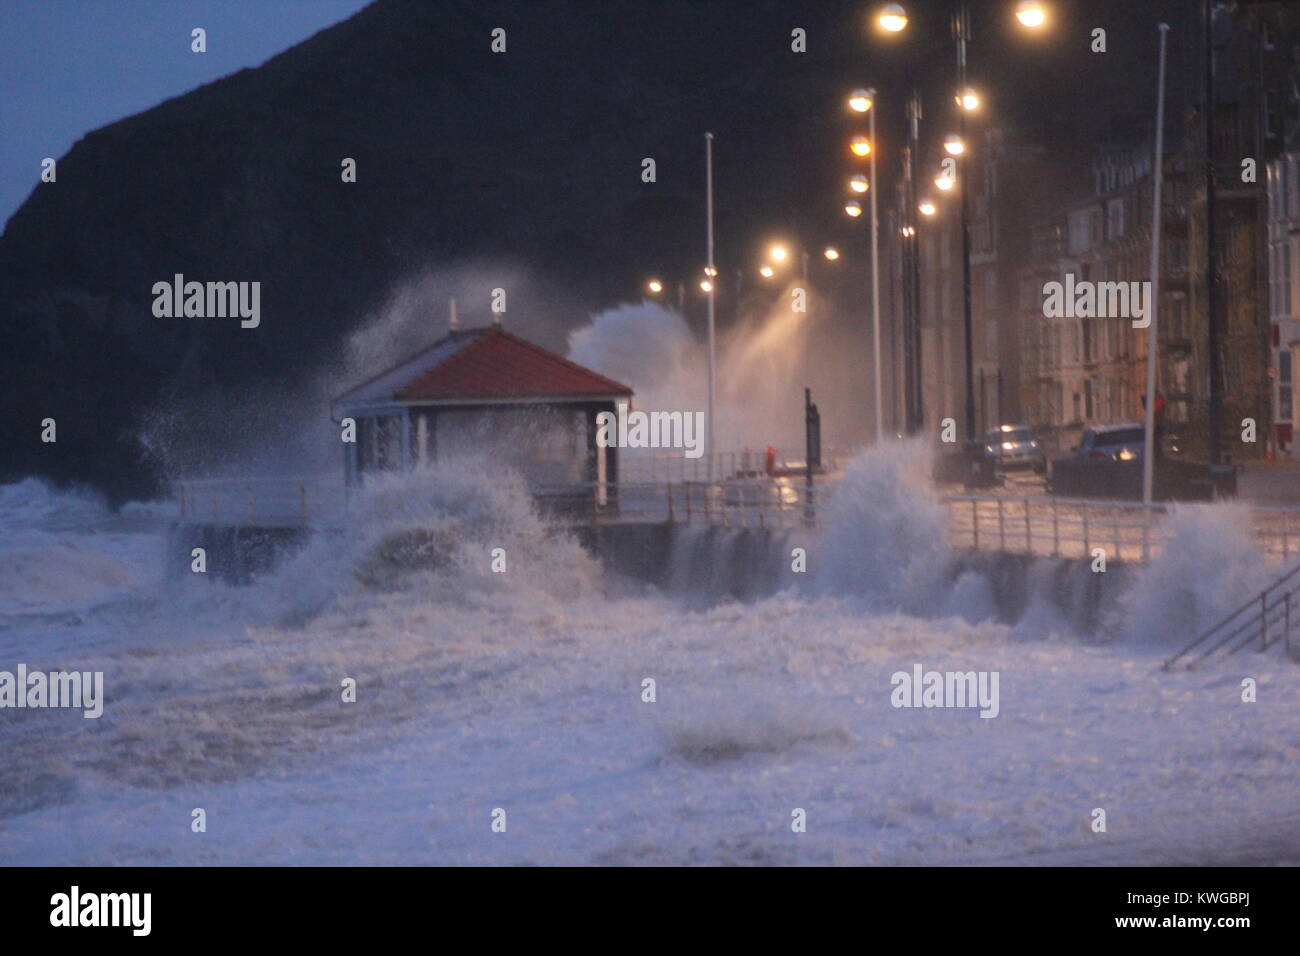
(654, 286)
(1031, 14)
(706, 285)
(778, 252)
(968, 99)
(766, 271)
(945, 182)
(853, 208)
(893, 18)
(860, 101)
(831, 253)
(861, 146)
(859, 183)
(953, 145)
(927, 207)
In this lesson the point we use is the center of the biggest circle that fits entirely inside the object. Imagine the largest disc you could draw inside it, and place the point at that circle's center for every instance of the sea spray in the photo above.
(885, 535)
(461, 531)
(764, 361)
(1209, 566)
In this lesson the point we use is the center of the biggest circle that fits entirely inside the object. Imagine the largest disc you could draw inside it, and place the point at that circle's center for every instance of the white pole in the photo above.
(713, 283)
(1153, 305)
(875, 275)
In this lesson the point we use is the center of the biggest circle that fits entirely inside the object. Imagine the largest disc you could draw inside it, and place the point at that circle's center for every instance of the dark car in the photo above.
(1014, 446)
(1112, 443)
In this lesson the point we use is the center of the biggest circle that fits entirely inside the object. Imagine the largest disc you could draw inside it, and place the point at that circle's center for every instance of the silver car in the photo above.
(1014, 446)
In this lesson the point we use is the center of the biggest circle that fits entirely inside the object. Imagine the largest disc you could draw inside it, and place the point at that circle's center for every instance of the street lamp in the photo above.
(654, 286)
(1031, 14)
(706, 285)
(860, 101)
(893, 18)
(831, 253)
(927, 207)
(945, 182)
(853, 208)
(778, 252)
(859, 183)
(766, 271)
(861, 146)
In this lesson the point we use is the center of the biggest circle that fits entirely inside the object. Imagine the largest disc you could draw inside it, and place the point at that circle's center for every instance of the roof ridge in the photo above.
(557, 356)
(410, 358)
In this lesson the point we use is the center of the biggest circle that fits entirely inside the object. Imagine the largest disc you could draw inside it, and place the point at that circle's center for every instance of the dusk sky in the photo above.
(69, 66)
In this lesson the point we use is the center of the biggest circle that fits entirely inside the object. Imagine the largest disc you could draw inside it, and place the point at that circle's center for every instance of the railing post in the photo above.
(1056, 531)
(1119, 550)
(1263, 620)
(1084, 511)
(1286, 521)
(1002, 529)
(1287, 634)
(975, 523)
(1029, 530)
(1146, 535)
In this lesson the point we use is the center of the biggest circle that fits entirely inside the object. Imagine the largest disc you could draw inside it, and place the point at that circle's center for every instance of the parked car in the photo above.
(1014, 446)
(1123, 442)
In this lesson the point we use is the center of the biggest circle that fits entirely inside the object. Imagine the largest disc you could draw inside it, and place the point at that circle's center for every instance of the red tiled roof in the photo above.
(496, 364)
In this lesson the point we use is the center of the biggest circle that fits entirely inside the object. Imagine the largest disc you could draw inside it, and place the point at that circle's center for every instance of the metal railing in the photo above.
(1076, 527)
(1040, 526)
(1266, 619)
(1054, 527)
(639, 468)
(261, 502)
(734, 504)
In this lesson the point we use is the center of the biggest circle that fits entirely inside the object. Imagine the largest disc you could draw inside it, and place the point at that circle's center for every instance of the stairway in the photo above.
(1261, 622)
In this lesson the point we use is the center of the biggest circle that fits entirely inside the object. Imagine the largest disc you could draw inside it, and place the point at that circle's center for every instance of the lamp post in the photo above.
(914, 400)
(863, 101)
(711, 271)
(962, 24)
(1153, 339)
(875, 280)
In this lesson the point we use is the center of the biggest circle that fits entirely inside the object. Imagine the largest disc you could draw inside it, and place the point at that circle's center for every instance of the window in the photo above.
(1115, 219)
(1080, 237)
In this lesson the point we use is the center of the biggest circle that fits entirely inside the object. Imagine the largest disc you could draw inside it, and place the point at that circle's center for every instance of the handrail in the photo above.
(1261, 619)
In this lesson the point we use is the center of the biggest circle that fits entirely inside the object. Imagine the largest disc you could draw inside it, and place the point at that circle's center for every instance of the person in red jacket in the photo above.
(1159, 418)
